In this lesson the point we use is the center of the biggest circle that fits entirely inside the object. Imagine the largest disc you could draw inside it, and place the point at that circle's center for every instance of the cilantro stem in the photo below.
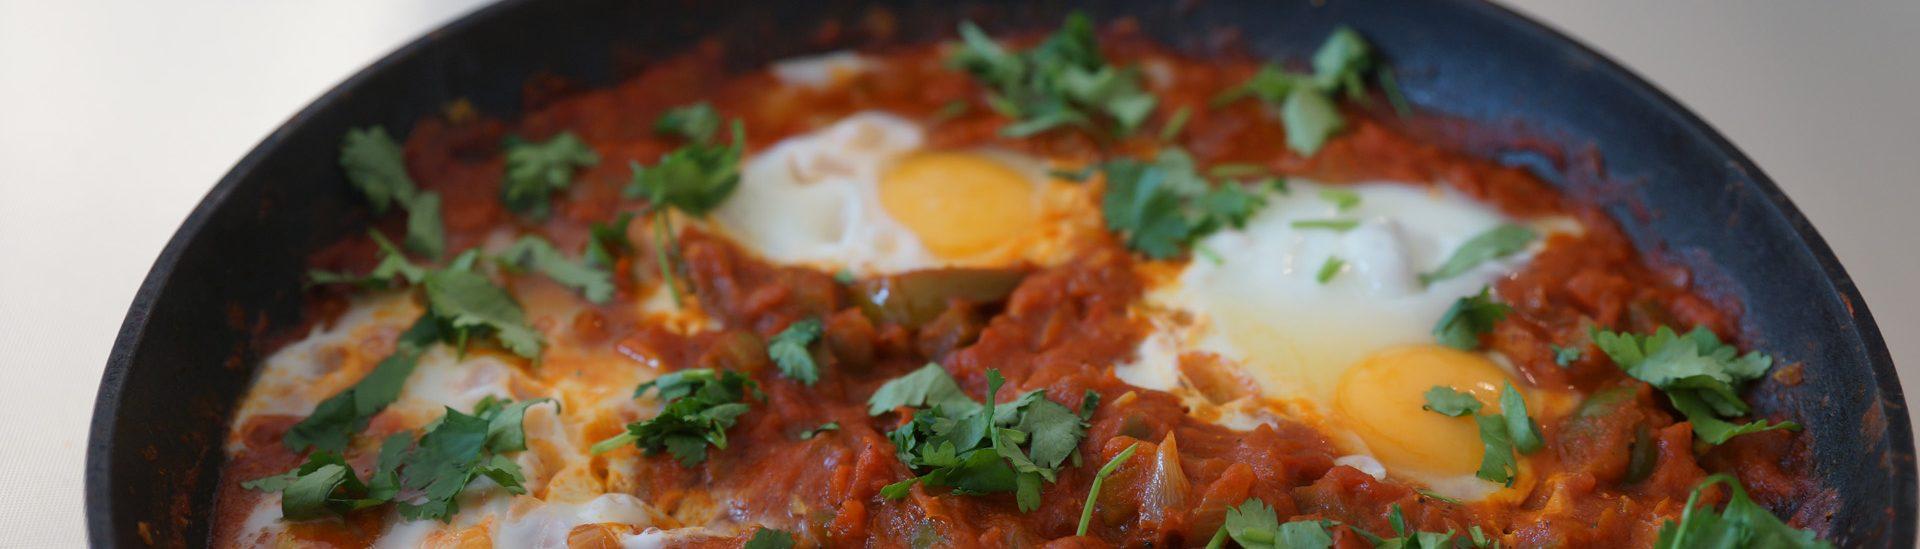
(617, 441)
(1093, 492)
(661, 234)
(1219, 538)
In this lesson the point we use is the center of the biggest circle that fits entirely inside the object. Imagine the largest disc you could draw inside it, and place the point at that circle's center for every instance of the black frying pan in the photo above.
(232, 274)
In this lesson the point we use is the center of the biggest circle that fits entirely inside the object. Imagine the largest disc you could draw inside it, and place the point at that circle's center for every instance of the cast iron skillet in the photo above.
(232, 274)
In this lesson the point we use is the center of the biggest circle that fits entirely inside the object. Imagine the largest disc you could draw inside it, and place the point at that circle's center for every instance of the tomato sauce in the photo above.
(1064, 327)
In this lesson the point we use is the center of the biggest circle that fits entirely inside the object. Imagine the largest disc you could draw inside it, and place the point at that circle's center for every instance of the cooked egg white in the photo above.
(1352, 354)
(866, 195)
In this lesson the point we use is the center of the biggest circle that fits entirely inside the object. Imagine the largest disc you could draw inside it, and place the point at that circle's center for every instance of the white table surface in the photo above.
(116, 117)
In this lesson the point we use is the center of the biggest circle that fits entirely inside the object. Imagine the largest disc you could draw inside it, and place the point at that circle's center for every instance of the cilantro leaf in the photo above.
(1305, 101)
(1336, 225)
(608, 241)
(1342, 199)
(1741, 523)
(697, 122)
(1329, 269)
(377, 167)
(929, 386)
(536, 170)
(1063, 82)
(470, 303)
(1162, 207)
(1565, 356)
(1100, 477)
(768, 538)
(1521, 428)
(819, 430)
(1496, 462)
(1310, 119)
(1699, 374)
(333, 422)
(540, 255)
(1448, 402)
(392, 269)
(1498, 242)
(701, 405)
(972, 448)
(694, 178)
(423, 479)
(788, 349)
(1254, 525)
(1460, 327)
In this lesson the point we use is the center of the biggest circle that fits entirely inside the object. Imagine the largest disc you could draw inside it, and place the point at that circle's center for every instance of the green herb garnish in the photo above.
(957, 443)
(377, 167)
(1162, 207)
(1699, 374)
(768, 538)
(1337, 225)
(1502, 435)
(701, 405)
(537, 170)
(1063, 82)
(1100, 477)
(1329, 269)
(1742, 523)
(422, 478)
(819, 430)
(1306, 103)
(1504, 240)
(536, 253)
(1460, 327)
(788, 349)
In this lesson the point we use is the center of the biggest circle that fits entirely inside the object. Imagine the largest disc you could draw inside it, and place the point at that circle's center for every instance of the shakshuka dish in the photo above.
(1067, 289)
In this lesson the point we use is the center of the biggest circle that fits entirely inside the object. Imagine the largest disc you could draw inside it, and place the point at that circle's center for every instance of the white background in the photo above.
(116, 117)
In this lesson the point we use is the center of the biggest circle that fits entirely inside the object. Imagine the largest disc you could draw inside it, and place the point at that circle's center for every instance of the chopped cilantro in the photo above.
(1236, 171)
(1512, 430)
(1307, 108)
(952, 441)
(1565, 356)
(819, 430)
(697, 122)
(331, 425)
(789, 350)
(470, 304)
(423, 478)
(1174, 124)
(1063, 82)
(1100, 477)
(694, 178)
(1700, 375)
(1436, 496)
(1329, 269)
(377, 167)
(392, 269)
(1342, 199)
(1162, 207)
(1460, 327)
(928, 387)
(540, 255)
(701, 405)
(536, 170)
(608, 241)
(844, 276)
(1504, 240)
(768, 538)
(1254, 525)
(1337, 225)
(1742, 523)
(1448, 402)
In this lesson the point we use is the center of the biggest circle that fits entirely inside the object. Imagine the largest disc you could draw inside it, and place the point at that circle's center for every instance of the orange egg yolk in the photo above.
(960, 204)
(1381, 400)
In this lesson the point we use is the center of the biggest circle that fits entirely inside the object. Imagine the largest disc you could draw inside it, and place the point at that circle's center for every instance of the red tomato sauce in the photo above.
(1061, 331)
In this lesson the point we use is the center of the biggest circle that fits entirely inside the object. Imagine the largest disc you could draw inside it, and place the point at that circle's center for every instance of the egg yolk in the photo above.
(1381, 399)
(959, 204)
